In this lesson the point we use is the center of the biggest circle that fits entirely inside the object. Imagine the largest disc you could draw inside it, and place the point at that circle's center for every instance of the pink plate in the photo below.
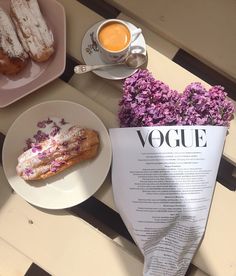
(36, 75)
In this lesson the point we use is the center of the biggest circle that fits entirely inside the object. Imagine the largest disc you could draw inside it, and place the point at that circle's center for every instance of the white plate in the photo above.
(73, 185)
(91, 55)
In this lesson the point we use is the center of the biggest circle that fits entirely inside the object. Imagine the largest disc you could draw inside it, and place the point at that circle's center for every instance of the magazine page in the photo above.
(163, 180)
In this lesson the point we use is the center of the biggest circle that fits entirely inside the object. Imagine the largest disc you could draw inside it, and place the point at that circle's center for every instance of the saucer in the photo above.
(91, 54)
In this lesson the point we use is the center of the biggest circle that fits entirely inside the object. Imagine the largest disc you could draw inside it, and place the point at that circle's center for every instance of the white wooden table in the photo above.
(82, 240)
(206, 29)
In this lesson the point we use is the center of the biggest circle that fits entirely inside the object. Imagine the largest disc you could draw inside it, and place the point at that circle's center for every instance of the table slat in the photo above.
(12, 262)
(61, 243)
(205, 29)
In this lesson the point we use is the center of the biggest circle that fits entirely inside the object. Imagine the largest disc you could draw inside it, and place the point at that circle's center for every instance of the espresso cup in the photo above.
(114, 38)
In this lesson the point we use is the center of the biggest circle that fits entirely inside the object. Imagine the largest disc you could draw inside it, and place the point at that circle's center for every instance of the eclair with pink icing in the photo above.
(61, 149)
(34, 34)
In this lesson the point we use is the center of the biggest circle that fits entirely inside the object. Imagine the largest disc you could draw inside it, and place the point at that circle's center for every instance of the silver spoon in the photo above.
(134, 61)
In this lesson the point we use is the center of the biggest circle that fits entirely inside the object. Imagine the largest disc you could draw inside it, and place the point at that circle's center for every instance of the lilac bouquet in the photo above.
(159, 187)
(150, 102)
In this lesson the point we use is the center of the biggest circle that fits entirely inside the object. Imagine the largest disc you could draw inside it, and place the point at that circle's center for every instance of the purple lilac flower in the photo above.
(36, 147)
(55, 130)
(55, 165)
(65, 144)
(28, 143)
(48, 121)
(43, 155)
(201, 107)
(148, 102)
(40, 136)
(63, 122)
(28, 171)
(77, 148)
(41, 124)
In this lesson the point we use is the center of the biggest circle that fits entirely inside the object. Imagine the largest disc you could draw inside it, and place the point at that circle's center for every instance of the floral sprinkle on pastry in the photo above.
(58, 147)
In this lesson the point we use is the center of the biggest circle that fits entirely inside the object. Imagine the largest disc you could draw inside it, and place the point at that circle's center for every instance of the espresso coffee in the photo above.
(114, 36)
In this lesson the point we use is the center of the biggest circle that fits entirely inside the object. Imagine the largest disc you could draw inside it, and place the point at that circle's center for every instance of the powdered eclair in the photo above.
(13, 58)
(60, 149)
(32, 29)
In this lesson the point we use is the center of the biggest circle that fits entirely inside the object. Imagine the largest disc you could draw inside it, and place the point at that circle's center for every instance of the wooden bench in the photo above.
(204, 29)
(63, 244)
(60, 243)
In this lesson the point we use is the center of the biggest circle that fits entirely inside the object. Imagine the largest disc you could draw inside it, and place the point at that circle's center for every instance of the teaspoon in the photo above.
(133, 61)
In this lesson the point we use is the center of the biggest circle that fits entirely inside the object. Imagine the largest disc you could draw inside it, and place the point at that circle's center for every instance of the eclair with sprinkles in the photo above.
(58, 151)
(34, 34)
(13, 57)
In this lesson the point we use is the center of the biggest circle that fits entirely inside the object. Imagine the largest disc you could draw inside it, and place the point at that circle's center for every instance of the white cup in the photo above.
(114, 30)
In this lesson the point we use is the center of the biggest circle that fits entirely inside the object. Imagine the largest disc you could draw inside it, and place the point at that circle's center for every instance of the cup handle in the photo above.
(135, 34)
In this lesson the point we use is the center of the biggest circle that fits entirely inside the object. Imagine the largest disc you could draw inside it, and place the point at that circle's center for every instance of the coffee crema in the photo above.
(114, 36)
